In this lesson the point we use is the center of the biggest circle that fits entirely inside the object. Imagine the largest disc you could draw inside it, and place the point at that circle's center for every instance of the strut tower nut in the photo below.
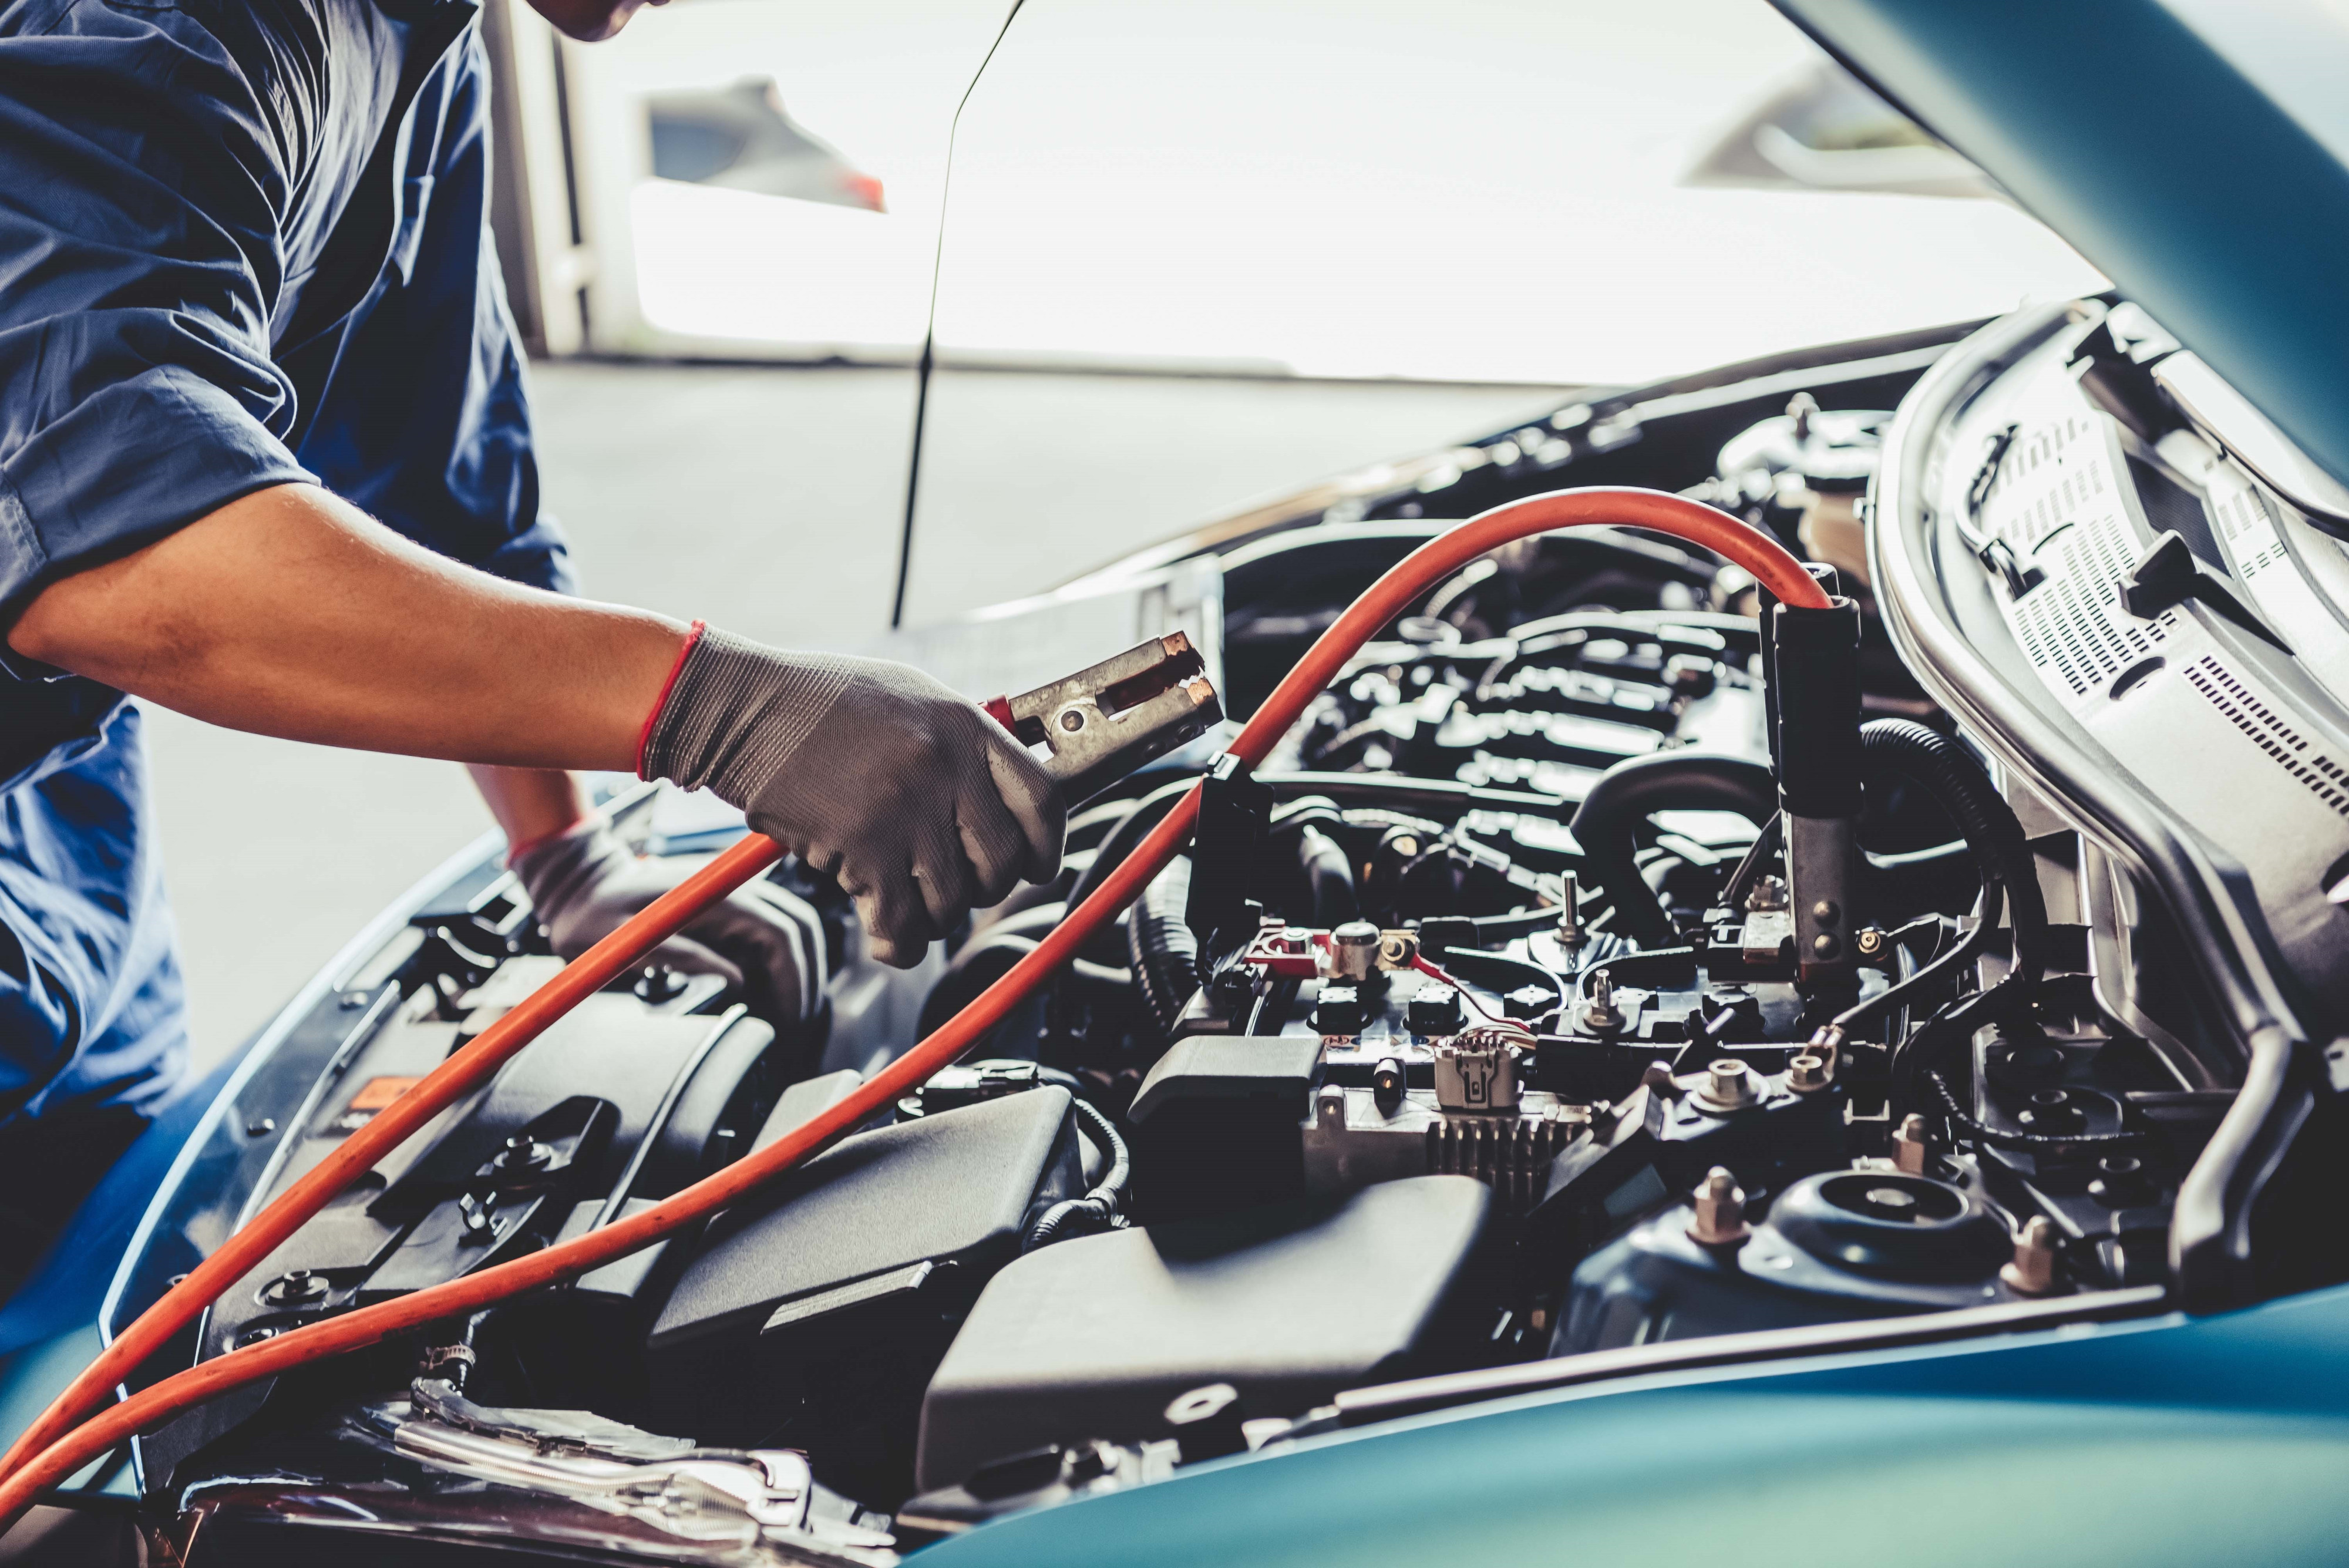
(1720, 1210)
(2032, 1270)
(1808, 1073)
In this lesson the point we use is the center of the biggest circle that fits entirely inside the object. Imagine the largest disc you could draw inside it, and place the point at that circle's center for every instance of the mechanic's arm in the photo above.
(290, 613)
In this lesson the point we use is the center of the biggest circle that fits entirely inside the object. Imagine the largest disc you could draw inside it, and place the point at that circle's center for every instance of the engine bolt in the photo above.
(2032, 1270)
(523, 1152)
(301, 1287)
(1807, 1073)
(1870, 941)
(1720, 1210)
(1569, 915)
(1912, 1145)
(1599, 1014)
(2120, 1181)
(1728, 1087)
(1769, 893)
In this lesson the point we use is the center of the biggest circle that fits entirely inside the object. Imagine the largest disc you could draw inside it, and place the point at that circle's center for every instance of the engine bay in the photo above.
(1565, 982)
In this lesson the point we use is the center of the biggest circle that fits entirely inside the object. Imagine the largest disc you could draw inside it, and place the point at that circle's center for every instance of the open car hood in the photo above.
(2192, 151)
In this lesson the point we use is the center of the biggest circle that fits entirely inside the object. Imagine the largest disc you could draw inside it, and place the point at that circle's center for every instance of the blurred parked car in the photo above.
(742, 139)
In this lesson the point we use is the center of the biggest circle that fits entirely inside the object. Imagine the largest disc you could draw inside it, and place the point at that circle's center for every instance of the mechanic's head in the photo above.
(589, 20)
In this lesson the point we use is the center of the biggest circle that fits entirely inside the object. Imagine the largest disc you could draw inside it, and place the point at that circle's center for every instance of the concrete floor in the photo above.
(768, 501)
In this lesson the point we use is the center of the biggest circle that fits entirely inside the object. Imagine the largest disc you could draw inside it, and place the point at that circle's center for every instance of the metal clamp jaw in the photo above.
(1108, 719)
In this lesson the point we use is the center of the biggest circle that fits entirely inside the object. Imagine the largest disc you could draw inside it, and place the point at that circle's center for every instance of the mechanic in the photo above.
(266, 459)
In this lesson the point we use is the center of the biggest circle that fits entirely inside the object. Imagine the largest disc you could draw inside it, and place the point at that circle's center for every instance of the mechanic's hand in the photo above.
(582, 883)
(905, 791)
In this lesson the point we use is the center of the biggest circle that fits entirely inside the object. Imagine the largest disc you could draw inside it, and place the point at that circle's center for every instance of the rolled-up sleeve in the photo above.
(141, 187)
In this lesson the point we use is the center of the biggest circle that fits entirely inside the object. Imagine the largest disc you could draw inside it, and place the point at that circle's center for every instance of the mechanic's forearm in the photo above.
(290, 613)
(532, 805)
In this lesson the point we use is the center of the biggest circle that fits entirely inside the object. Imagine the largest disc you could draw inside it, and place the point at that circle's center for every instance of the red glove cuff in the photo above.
(644, 735)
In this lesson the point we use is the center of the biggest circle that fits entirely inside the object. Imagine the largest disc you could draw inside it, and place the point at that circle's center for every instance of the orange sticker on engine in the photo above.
(378, 1093)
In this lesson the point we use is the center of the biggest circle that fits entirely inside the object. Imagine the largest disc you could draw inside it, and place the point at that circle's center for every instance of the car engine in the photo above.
(1610, 962)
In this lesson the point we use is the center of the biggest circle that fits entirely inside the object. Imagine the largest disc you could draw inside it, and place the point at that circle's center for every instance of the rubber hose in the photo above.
(1949, 772)
(1929, 978)
(1165, 955)
(1329, 874)
(987, 960)
(1147, 813)
(1607, 824)
(1106, 1202)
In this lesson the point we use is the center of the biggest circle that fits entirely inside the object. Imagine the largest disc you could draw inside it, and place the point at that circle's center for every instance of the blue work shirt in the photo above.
(243, 243)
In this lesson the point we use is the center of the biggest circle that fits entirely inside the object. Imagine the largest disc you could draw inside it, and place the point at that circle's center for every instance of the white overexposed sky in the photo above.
(1479, 190)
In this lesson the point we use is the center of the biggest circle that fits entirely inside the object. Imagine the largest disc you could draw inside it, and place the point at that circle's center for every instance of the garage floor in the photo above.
(767, 501)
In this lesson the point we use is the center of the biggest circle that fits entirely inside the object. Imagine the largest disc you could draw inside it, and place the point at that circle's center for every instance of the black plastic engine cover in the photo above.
(816, 1313)
(1093, 1337)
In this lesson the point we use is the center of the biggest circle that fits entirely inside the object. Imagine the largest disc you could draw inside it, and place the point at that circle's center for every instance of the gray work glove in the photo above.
(913, 799)
(766, 941)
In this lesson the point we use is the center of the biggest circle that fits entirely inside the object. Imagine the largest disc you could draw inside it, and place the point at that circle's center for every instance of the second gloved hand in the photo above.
(901, 789)
(765, 940)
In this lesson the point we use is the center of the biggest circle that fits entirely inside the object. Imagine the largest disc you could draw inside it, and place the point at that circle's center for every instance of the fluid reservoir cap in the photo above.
(1891, 1225)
